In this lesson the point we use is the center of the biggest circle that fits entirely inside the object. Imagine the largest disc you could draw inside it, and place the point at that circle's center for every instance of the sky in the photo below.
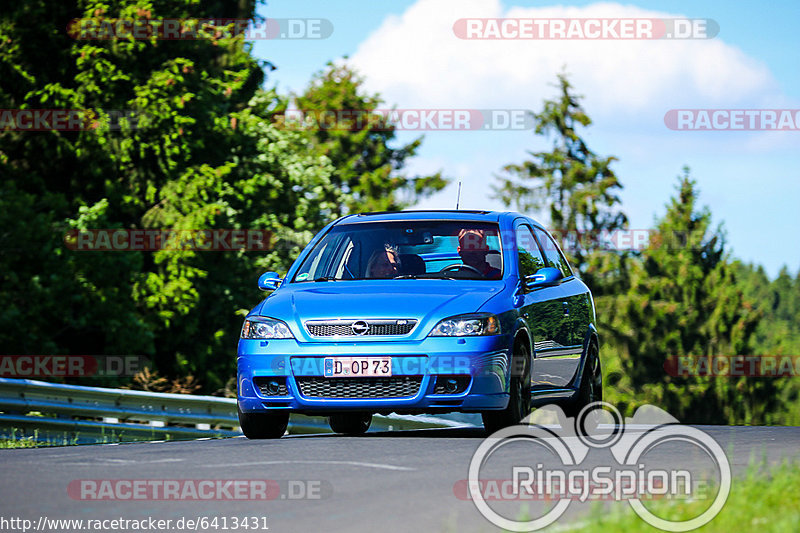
(408, 52)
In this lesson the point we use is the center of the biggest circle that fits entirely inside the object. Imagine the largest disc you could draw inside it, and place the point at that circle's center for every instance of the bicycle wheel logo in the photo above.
(600, 426)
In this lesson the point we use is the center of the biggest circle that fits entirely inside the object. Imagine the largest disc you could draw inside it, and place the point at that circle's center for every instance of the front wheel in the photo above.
(519, 401)
(263, 425)
(350, 423)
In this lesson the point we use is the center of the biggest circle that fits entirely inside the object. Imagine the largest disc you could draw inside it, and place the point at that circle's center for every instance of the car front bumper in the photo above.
(483, 363)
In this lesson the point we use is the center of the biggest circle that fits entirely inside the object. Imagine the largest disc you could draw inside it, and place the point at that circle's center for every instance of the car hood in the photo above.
(424, 300)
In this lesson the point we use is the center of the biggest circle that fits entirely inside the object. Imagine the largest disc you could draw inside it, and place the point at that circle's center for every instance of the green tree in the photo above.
(367, 170)
(200, 153)
(683, 298)
(577, 188)
(275, 185)
(778, 332)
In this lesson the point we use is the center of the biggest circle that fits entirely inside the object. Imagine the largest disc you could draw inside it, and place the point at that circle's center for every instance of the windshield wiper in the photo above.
(427, 275)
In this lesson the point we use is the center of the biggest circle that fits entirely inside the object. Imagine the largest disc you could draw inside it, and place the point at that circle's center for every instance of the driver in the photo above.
(472, 248)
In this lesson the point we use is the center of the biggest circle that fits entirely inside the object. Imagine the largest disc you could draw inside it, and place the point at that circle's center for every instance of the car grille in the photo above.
(394, 387)
(344, 328)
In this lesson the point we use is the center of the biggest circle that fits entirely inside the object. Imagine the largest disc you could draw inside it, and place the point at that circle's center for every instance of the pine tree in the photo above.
(684, 299)
(576, 187)
(367, 169)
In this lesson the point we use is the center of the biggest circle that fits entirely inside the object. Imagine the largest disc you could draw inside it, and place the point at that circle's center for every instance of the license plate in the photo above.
(351, 367)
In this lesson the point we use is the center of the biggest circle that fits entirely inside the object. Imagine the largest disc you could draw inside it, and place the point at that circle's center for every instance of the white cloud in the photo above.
(416, 60)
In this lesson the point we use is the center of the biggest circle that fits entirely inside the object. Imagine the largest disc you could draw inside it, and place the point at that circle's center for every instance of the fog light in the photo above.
(273, 387)
(451, 384)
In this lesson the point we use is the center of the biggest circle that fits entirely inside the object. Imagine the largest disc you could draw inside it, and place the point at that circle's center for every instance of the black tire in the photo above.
(519, 401)
(591, 386)
(350, 423)
(263, 425)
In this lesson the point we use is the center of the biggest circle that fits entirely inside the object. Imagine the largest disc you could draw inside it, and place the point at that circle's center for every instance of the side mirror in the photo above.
(269, 281)
(544, 277)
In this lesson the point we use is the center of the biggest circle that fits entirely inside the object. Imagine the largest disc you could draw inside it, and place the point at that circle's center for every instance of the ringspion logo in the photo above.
(568, 476)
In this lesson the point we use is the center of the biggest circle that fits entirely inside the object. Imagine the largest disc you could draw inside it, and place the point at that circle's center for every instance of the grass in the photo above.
(20, 440)
(765, 499)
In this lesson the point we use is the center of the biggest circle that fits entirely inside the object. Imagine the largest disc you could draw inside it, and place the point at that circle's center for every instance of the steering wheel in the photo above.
(459, 266)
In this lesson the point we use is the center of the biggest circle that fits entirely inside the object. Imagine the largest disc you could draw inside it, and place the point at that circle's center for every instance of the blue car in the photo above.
(419, 312)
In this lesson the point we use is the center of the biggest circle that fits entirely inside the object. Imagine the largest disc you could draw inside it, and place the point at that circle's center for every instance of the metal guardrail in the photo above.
(74, 414)
(67, 414)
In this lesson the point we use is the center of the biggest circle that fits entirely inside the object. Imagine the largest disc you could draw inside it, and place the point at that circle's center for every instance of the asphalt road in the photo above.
(383, 481)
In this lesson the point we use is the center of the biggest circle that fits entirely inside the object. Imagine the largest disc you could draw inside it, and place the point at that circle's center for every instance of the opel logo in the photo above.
(359, 327)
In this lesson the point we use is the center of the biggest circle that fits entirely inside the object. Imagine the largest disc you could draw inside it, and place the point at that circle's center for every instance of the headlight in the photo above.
(265, 328)
(467, 326)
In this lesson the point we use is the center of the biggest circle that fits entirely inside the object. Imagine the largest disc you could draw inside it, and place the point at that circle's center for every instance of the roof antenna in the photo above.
(458, 198)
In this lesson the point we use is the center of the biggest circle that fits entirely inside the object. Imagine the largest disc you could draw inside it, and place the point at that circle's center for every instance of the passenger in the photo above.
(384, 263)
(473, 249)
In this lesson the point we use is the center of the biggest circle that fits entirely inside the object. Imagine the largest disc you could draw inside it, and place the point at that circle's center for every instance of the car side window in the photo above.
(530, 258)
(554, 256)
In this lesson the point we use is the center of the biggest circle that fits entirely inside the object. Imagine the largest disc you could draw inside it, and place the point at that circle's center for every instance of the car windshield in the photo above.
(405, 250)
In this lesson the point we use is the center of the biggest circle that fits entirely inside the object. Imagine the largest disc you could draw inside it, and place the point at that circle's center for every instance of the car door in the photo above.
(575, 306)
(541, 311)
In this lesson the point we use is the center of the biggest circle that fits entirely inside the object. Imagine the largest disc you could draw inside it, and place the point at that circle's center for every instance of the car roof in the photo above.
(431, 214)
